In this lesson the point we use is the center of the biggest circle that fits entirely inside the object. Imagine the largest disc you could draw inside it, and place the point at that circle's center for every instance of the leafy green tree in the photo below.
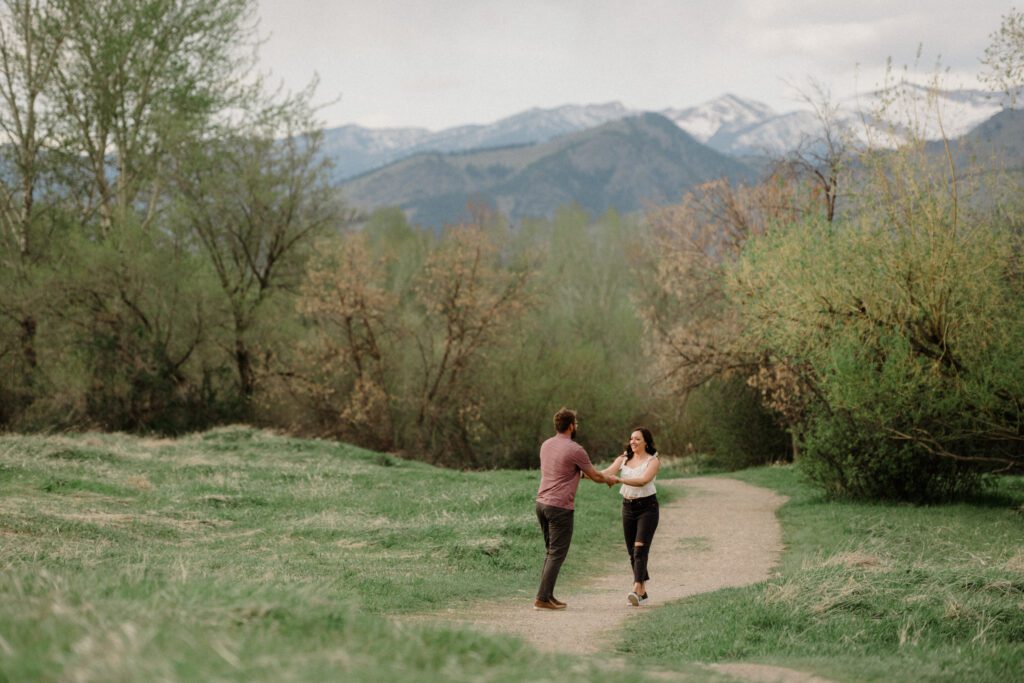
(255, 200)
(581, 344)
(104, 104)
(137, 80)
(729, 423)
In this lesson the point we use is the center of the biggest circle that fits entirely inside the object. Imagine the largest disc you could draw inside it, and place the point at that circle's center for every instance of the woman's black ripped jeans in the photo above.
(639, 521)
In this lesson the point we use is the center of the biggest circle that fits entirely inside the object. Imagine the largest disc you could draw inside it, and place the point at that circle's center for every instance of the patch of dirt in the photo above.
(765, 673)
(721, 533)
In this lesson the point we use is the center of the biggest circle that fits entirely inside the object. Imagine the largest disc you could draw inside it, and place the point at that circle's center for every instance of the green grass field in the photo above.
(239, 555)
(870, 592)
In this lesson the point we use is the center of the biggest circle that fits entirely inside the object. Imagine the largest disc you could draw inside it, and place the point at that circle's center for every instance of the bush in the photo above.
(854, 460)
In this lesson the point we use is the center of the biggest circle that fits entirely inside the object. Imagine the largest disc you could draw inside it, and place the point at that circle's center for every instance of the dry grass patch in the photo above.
(786, 592)
(853, 560)
(325, 519)
(1016, 563)
(97, 518)
(195, 459)
(139, 482)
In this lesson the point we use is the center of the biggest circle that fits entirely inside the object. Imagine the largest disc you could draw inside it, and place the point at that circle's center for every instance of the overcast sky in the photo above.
(440, 63)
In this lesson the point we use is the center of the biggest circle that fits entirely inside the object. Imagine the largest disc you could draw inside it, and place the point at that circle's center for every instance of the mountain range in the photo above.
(627, 164)
(356, 149)
(601, 156)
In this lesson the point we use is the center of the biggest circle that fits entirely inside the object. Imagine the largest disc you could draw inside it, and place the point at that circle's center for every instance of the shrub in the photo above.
(854, 460)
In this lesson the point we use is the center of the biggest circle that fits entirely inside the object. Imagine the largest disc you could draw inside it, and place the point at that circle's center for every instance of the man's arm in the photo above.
(595, 475)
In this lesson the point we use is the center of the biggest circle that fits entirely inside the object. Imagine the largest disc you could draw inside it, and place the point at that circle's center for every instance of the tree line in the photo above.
(174, 257)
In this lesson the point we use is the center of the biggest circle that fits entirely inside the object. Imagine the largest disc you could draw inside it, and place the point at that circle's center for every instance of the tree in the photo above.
(581, 342)
(402, 327)
(31, 38)
(694, 330)
(907, 318)
(464, 302)
(138, 81)
(346, 372)
(136, 78)
(823, 158)
(1004, 56)
(130, 83)
(256, 199)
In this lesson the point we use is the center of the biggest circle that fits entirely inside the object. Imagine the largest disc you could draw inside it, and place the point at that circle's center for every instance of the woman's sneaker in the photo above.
(642, 599)
(633, 599)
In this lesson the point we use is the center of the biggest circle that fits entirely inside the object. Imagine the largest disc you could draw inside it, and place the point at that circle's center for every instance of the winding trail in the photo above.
(719, 533)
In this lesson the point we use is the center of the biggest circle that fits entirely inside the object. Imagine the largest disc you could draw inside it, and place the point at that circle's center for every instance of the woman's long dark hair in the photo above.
(648, 442)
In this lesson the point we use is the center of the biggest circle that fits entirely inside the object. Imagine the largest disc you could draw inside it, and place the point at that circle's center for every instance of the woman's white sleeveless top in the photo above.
(628, 472)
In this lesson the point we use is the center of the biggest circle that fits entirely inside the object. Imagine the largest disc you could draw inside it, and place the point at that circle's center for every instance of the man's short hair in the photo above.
(564, 419)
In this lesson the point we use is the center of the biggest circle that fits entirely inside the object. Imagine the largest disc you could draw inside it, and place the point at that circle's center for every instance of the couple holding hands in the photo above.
(562, 463)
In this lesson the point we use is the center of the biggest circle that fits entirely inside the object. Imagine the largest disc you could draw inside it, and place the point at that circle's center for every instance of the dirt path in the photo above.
(720, 533)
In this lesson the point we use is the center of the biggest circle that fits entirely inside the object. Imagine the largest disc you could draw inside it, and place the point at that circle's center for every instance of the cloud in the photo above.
(438, 63)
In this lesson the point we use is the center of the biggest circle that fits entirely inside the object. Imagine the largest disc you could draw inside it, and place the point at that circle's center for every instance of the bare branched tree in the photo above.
(1004, 56)
(824, 157)
(342, 373)
(467, 301)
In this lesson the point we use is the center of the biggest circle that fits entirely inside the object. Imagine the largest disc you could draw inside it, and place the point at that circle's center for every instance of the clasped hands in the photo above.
(612, 480)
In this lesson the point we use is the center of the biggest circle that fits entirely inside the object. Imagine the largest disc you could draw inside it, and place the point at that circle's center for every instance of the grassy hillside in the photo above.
(240, 555)
(869, 592)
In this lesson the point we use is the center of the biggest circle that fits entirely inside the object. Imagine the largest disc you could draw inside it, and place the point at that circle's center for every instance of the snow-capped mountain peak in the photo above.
(925, 111)
(729, 124)
(356, 149)
(725, 114)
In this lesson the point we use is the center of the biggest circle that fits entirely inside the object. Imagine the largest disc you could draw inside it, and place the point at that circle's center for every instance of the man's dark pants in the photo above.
(556, 524)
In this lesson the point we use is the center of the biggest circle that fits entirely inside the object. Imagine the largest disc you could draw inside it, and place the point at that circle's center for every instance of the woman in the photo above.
(637, 467)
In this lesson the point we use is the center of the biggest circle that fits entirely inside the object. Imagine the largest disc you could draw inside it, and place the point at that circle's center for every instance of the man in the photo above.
(562, 461)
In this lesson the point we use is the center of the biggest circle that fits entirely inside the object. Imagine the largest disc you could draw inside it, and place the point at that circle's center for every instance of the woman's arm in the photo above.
(649, 473)
(614, 467)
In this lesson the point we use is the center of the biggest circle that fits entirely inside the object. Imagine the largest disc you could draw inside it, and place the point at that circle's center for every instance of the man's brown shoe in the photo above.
(547, 604)
(559, 602)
